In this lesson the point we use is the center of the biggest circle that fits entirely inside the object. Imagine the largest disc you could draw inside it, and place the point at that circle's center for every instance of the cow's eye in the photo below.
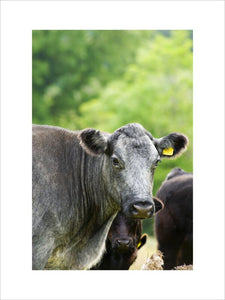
(116, 163)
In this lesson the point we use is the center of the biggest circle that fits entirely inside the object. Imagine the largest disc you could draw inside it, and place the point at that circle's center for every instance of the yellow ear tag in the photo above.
(168, 151)
(139, 244)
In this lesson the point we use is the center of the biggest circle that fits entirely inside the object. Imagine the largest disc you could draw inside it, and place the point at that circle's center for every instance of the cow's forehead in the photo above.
(133, 143)
(133, 139)
(138, 147)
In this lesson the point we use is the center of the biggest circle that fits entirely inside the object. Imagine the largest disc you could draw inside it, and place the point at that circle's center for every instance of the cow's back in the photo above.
(177, 197)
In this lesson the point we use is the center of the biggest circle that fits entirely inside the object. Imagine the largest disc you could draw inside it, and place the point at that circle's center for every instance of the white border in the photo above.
(18, 18)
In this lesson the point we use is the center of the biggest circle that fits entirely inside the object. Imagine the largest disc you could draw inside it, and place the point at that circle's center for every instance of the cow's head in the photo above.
(131, 155)
(125, 235)
(124, 240)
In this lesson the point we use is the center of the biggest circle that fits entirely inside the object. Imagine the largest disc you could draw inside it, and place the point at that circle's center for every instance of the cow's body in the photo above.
(174, 224)
(122, 244)
(81, 180)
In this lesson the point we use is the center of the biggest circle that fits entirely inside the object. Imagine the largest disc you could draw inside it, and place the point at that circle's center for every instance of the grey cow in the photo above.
(81, 179)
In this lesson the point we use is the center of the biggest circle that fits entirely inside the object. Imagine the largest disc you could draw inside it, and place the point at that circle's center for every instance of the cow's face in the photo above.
(131, 155)
(123, 241)
(132, 161)
(125, 235)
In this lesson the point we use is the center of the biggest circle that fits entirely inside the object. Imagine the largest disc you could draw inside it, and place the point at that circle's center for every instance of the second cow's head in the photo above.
(130, 156)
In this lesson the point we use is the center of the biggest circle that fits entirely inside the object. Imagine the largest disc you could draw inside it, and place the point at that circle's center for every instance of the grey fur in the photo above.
(77, 191)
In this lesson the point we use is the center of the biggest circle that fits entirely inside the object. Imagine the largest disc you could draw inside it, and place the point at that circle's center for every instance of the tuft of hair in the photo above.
(184, 267)
(155, 262)
(92, 141)
(131, 130)
(174, 173)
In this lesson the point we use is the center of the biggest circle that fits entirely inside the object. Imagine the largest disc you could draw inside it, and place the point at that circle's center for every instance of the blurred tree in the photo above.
(155, 91)
(72, 66)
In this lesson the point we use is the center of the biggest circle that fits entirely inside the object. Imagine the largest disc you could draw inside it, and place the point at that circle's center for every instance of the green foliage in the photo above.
(71, 67)
(105, 79)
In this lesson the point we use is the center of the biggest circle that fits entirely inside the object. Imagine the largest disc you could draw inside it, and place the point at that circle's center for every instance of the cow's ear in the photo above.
(158, 204)
(92, 141)
(142, 241)
(172, 145)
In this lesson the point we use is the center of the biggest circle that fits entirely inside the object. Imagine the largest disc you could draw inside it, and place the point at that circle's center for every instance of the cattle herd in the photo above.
(91, 190)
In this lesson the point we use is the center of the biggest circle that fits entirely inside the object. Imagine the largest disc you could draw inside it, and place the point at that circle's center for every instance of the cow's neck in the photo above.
(92, 210)
(92, 252)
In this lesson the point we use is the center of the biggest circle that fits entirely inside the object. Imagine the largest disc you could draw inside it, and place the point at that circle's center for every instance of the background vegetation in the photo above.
(106, 79)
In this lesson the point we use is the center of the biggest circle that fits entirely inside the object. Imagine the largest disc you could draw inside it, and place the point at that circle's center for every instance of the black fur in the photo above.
(174, 223)
(119, 257)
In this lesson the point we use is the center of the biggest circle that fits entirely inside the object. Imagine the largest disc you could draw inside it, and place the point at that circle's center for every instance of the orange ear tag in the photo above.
(168, 151)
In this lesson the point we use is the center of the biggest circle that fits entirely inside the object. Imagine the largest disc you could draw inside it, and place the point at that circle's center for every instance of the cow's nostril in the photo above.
(143, 211)
(123, 242)
(143, 208)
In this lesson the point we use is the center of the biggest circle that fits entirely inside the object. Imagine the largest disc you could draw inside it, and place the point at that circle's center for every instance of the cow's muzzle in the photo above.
(142, 209)
(123, 243)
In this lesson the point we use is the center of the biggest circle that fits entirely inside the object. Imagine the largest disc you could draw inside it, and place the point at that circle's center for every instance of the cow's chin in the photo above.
(123, 249)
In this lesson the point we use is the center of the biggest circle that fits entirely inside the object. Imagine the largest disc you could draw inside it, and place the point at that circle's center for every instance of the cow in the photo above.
(122, 244)
(81, 179)
(174, 224)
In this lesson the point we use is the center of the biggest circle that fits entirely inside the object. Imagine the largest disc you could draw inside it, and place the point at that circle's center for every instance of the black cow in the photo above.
(81, 179)
(174, 224)
(122, 244)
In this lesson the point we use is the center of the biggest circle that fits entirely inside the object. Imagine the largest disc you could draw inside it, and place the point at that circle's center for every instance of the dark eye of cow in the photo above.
(116, 163)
